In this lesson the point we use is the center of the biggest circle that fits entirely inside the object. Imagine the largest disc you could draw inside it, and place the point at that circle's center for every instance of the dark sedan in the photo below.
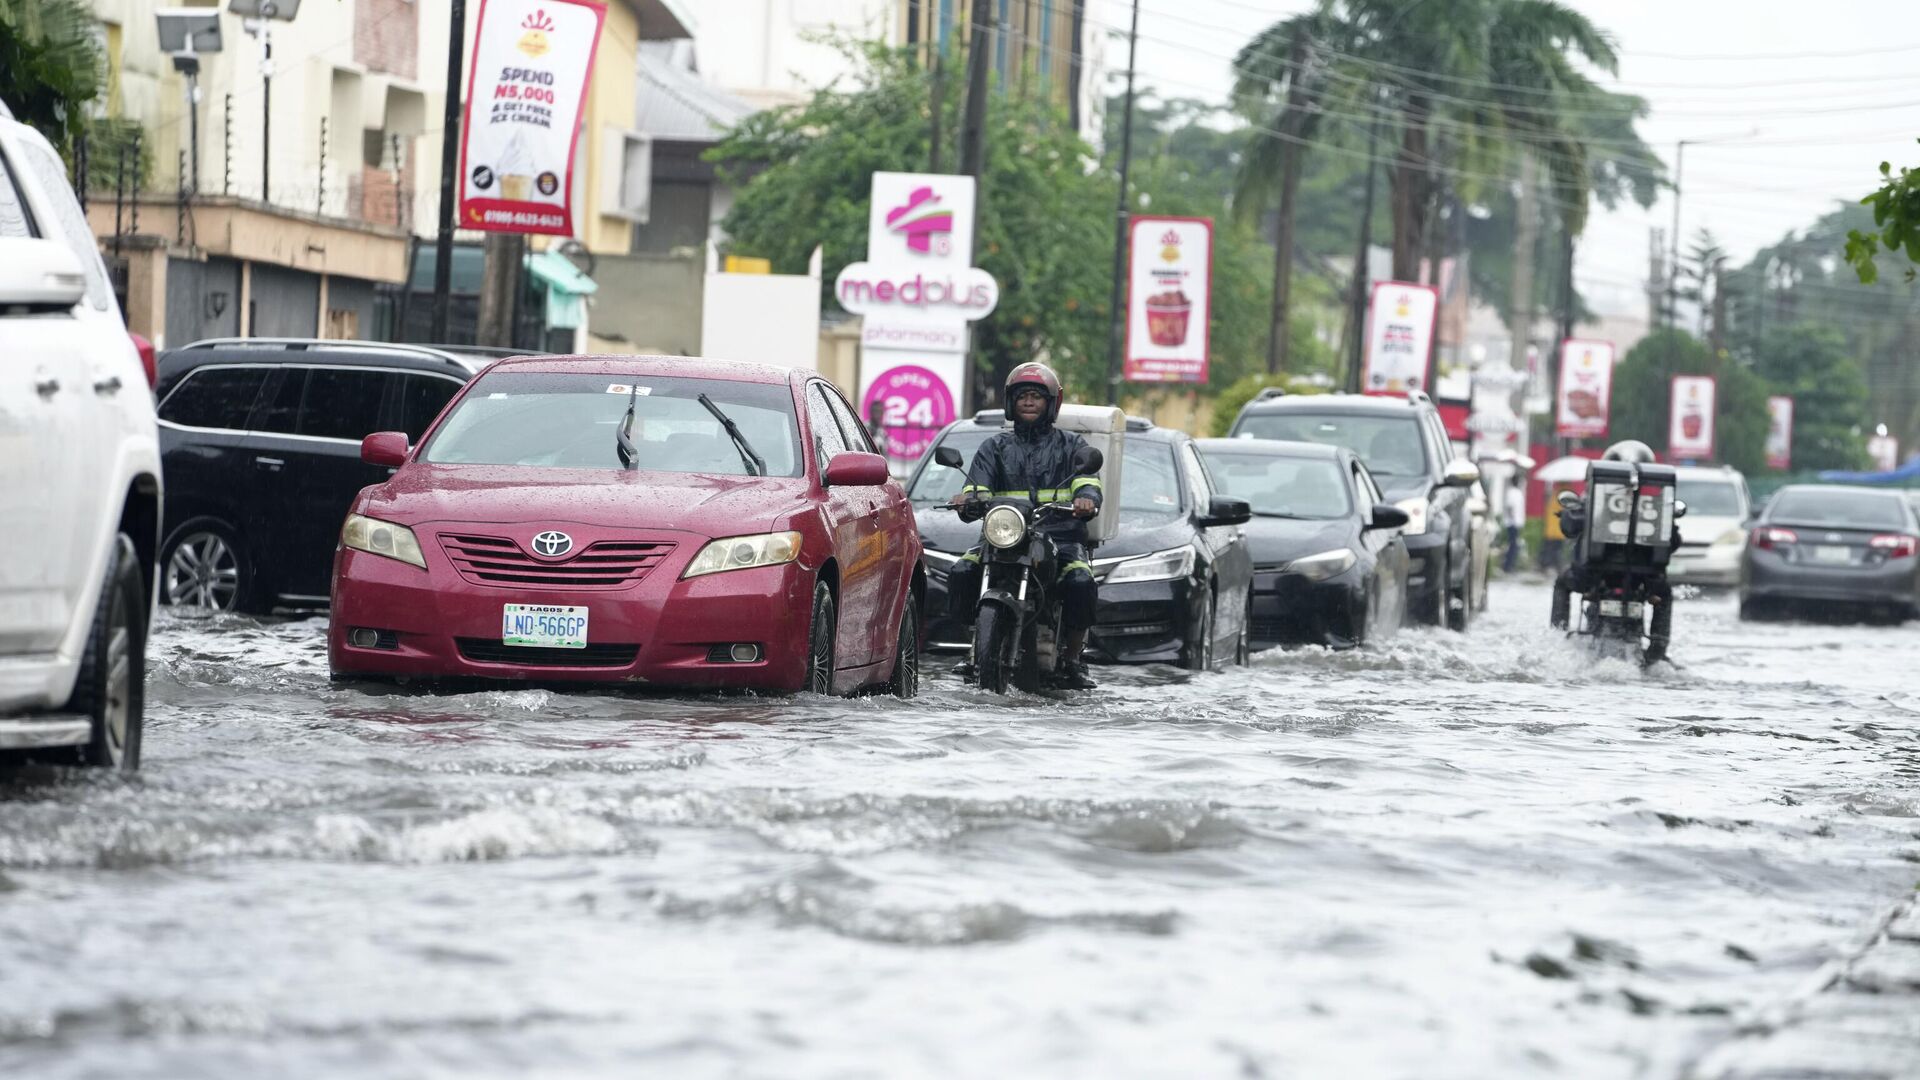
(1329, 563)
(1175, 584)
(1849, 548)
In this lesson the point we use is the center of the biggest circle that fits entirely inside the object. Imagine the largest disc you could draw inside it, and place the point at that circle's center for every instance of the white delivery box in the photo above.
(1105, 429)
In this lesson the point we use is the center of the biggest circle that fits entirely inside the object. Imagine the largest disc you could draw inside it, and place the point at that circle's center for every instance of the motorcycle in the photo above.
(1017, 626)
(1621, 557)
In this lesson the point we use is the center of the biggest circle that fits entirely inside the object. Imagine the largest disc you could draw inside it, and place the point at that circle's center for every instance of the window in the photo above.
(279, 411)
(572, 420)
(857, 437)
(15, 221)
(72, 221)
(421, 397)
(1199, 484)
(214, 398)
(1388, 445)
(342, 403)
(827, 439)
(1369, 491)
(937, 483)
(1283, 487)
(1837, 509)
(1711, 498)
(1148, 485)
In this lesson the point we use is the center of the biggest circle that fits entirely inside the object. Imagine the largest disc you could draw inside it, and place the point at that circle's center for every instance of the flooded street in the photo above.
(1443, 856)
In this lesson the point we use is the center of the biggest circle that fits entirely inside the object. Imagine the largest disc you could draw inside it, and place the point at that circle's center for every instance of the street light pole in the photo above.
(1116, 302)
(449, 169)
(1673, 251)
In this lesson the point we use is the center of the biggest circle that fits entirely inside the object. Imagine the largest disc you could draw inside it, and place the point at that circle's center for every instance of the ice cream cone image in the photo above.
(515, 187)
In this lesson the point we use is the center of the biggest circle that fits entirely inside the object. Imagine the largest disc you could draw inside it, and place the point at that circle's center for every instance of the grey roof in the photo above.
(673, 104)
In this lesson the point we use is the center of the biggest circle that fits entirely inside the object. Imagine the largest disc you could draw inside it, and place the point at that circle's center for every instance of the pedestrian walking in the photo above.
(1514, 510)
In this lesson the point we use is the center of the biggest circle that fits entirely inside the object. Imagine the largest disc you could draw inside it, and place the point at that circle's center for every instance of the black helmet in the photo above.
(1631, 451)
(1038, 375)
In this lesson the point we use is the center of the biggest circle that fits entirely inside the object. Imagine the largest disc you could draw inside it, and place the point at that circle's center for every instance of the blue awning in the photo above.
(567, 288)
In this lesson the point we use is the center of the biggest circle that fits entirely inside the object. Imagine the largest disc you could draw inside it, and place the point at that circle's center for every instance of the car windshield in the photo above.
(567, 420)
(1838, 509)
(1389, 445)
(1710, 498)
(1276, 486)
(1147, 481)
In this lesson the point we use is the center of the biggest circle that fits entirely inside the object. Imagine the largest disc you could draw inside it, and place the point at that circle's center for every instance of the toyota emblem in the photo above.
(553, 543)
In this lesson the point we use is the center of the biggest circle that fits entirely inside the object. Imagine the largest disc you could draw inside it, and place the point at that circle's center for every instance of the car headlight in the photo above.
(744, 553)
(1160, 566)
(1004, 527)
(1324, 565)
(383, 538)
(1416, 509)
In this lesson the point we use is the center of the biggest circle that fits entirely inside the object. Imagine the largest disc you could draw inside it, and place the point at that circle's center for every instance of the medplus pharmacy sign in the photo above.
(532, 61)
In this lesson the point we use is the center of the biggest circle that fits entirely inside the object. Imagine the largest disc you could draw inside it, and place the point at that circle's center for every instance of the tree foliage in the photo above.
(1642, 397)
(1811, 364)
(1896, 217)
(50, 65)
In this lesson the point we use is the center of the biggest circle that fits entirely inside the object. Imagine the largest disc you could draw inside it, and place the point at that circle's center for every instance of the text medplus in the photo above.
(920, 292)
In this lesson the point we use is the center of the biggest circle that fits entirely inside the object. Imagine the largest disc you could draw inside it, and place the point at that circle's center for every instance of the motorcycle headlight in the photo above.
(383, 538)
(1004, 527)
(1168, 565)
(744, 553)
(1324, 565)
(1416, 509)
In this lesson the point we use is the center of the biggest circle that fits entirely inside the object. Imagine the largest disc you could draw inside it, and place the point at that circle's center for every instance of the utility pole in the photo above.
(1357, 313)
(973, 146)
(449, 169)
(1292, 125)
(1520, 294)
(1117, 296)
(1673, 256)
(938, 105)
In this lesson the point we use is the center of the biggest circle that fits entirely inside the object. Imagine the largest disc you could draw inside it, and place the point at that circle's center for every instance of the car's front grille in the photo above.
(493, 651)
(607, 564)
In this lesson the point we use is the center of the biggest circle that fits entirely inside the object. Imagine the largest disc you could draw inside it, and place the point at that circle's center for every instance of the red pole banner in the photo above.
(532, 64)
(1690, 425)
(1401, 319)
(1169, 299)
(1586, 389)
(1780, 432)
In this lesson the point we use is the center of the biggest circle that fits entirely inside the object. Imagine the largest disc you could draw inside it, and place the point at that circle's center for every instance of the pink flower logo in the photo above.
(927, 225)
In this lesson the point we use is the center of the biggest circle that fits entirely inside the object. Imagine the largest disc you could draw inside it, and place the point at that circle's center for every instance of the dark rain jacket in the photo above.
(1030, 459)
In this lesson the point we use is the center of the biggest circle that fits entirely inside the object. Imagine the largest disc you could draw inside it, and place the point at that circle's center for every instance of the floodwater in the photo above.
(1445, 856)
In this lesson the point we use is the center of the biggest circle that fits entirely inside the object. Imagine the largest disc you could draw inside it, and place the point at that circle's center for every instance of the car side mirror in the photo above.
(1566, 499)
(948, 456)
(1461, 473)
(1087, 461)
(385, 448)
(39, 275)
(1388, 516)
(1224, 510)
(1679, 510)
(856, 469)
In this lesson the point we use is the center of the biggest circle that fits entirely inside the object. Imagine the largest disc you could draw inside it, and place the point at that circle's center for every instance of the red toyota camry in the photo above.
(648, 520)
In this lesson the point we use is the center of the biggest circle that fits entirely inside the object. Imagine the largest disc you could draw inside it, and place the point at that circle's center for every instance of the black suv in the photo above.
(260, 453)
(1403, 443)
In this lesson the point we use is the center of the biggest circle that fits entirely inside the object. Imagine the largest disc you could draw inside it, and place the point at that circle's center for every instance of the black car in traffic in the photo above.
(1403, 443)
(1175, 583)
(260, 452)
(1829, 548)
(1329, 563)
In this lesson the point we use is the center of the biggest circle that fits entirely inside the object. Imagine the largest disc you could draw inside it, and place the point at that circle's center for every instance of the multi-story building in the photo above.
(316, 170)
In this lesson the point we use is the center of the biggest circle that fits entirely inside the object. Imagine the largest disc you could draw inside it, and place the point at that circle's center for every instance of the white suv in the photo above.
(79, 477)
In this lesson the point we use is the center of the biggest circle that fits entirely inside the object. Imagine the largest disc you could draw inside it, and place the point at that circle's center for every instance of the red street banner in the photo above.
(1169, 299)
(1690, 435)
(1400, 326)
(1586, 389)
(1779, 433)
(532, 63)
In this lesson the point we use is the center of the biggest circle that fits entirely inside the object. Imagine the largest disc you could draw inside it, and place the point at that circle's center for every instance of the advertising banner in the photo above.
(532, 61)
(1779, 432)
(916, 293)
(1169, 299)
(1400, 324)
(1586, 389)
(1885, 452)
(1690, 434)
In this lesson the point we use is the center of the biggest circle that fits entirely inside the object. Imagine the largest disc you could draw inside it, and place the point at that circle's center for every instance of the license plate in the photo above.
(543, 626)
(1621, 609)
(1830, 554)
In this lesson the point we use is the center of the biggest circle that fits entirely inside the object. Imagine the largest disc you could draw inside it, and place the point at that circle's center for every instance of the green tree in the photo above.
(1643, 395)
(1811, 364)
(50, 66)
(1896, 223)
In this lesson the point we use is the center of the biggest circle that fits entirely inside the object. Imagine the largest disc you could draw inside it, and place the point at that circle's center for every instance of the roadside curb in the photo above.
(1858, 1019)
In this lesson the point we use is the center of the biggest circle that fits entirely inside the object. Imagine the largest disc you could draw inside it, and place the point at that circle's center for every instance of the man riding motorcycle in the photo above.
(1036, 458)
(1580, 579)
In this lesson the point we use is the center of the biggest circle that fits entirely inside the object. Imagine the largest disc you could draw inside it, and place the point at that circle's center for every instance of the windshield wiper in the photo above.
(756, 465)
(1275, 514)
(623, 435)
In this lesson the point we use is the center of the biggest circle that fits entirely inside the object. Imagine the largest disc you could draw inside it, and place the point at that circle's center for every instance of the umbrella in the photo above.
(1564, 470)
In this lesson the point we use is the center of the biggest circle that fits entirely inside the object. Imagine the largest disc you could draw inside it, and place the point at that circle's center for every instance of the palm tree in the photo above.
(50, 65)
(1280, 80)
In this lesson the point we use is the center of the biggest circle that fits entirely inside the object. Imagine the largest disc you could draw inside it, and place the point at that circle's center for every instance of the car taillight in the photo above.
(145, 348)
(1894, 545)
(1766, 539)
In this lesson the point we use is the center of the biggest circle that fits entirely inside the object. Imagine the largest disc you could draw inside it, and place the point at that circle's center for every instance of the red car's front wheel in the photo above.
(820, 642)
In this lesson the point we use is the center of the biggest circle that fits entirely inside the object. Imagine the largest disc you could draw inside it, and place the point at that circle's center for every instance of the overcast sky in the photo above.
(1832, 88)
